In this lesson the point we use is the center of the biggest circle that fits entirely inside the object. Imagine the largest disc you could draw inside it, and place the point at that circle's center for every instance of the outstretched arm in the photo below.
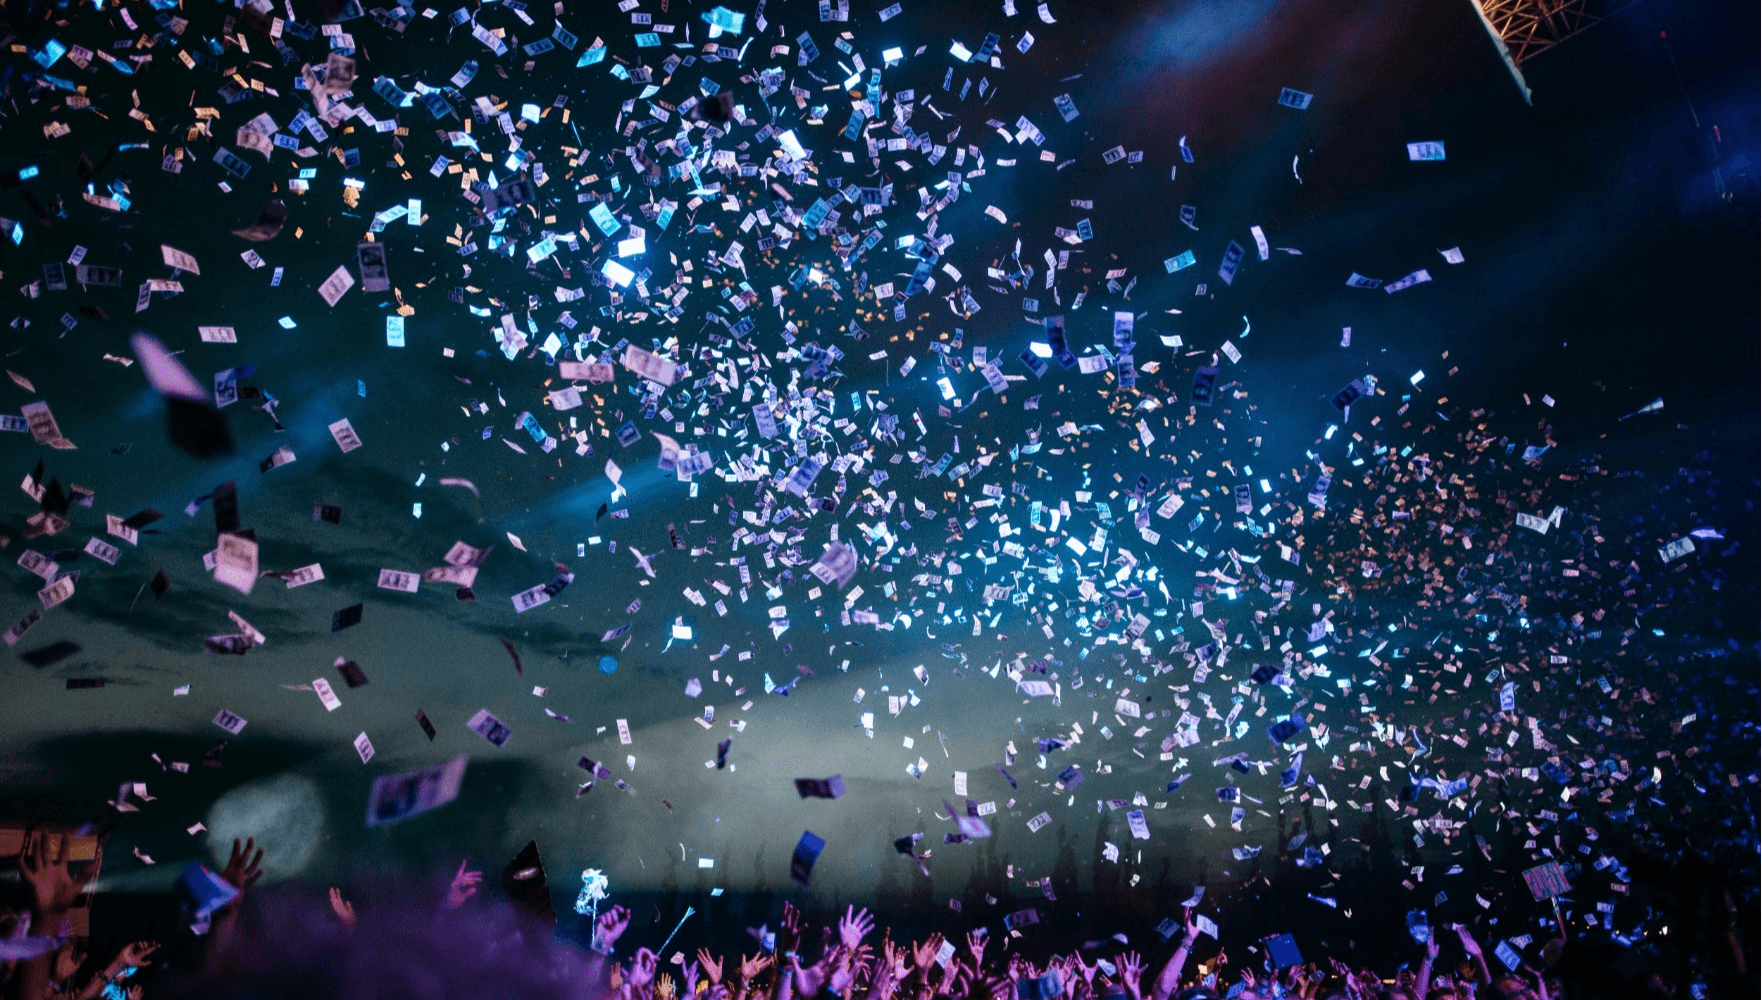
(1131, 971)
(890, 970)
(132, 956)
(1170, 976)
(749, 970)
(606, 931)
(53, 891)
(242, 871)
(1423, 985)
(1481, 975)
(924, 958)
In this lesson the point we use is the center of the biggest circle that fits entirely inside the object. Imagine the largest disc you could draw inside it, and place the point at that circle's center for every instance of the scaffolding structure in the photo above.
(1531, 27)
(1524, 29)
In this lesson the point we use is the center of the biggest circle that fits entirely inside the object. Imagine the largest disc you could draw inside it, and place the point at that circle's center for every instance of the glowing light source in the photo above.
(594, 887)
(285, 814)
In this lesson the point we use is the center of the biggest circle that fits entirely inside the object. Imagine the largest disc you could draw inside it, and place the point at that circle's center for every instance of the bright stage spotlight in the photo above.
(284, 812)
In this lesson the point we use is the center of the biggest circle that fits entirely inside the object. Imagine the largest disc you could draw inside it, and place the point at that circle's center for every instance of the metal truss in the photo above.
(1531, 27)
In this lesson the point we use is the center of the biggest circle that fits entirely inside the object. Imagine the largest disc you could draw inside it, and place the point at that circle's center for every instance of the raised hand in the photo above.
(750, 967)
(1068, 969)
(464, 887)
(789, 938)
(611, 924)
(1468, 942)
(854, 926)
(711, 964)
(1131, 970)
(344, 910)
(893, 961)
(131, 956)
(954, 984)
(52, 887)
(976, 945)
(1086, 972)
(925, 953)
(808, 978)
(242, 870)
(842, 976)
(642, 968)
(136, 954)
